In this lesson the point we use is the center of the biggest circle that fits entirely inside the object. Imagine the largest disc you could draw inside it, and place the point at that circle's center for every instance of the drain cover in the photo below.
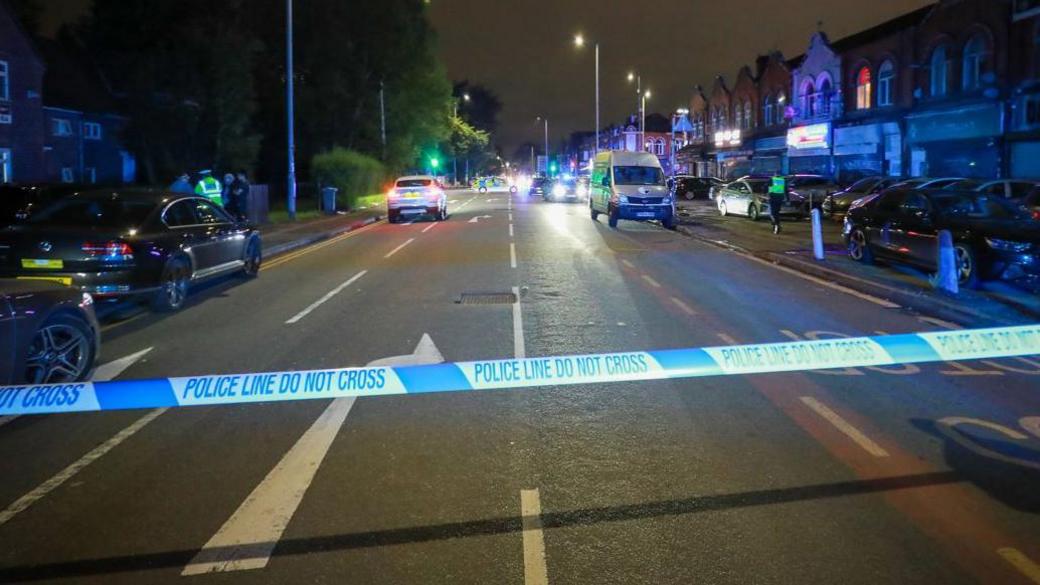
(492, 298)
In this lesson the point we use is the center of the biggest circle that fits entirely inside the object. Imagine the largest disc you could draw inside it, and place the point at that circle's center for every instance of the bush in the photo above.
(354, 174)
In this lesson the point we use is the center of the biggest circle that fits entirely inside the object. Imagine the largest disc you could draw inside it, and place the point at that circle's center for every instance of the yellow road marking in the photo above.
(318, 246)
(1024, 564)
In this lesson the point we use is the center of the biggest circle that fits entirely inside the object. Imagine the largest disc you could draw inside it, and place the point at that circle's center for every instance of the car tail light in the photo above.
(108, 250)
(1036, 215)
(392, 194)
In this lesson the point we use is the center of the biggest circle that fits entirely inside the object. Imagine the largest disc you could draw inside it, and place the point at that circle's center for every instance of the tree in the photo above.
(481, 109)
(28, 12)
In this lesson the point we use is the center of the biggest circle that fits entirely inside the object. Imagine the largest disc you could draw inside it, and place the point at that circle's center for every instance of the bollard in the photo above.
(817, 235)
(946, 278)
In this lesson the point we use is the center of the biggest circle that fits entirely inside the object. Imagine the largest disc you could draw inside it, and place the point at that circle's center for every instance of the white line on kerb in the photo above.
(325, 298)
(399, 248)
(535, 571)
(628, 263)
(651, 281)
(512, 254)
(843, 425)
(519, 351)
(249, 536)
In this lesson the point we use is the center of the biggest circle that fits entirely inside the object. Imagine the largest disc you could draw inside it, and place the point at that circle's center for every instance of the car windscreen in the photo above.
(638, 176)
(539, 181)
(105, 212)
(406, 183)
(977, 207)
(863, 185)
(760, 187)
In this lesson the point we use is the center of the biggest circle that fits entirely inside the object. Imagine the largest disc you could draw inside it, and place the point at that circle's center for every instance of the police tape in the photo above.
(795, 356)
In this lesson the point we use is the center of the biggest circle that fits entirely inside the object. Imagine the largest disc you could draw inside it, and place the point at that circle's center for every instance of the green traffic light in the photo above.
(436, 163)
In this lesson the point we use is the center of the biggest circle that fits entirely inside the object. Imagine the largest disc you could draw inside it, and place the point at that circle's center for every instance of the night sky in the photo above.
(522, 49)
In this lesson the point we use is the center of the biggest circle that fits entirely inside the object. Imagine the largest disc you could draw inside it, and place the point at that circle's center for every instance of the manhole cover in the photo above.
(492, 298)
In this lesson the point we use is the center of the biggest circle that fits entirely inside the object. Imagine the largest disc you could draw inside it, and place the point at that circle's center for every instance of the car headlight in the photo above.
(622, 198)
(1008, 245)
(558, 191)
(582, 191)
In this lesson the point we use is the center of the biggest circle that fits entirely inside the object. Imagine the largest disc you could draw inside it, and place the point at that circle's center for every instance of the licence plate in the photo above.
(66, 280)
(35, 264)
(645, 214)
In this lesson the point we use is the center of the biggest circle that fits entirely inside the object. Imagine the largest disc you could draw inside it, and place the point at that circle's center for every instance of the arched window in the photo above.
(885, 84)
(768, 109)
(806, 98)
(974, 62)
(863, 87)
(940, 72)
(659, 147)
(823, 96)
(748, 121)
(781, 107)
(738, 116)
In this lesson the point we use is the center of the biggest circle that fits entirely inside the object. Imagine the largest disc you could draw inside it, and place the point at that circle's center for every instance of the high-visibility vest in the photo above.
(778, 186)
(209, 187)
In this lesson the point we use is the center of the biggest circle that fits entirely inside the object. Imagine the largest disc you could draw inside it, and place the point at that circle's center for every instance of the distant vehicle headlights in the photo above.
(582, 191)
(559, 191)
(1008, 245)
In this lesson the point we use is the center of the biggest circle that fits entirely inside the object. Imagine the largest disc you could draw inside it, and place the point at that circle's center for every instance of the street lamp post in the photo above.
(640, 105)
(455, 159)
(642, 117)
(546, 120)
(290, 122)
(579, 41)
(678, 114)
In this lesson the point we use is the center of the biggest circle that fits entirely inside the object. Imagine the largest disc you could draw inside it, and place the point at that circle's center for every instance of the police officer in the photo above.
(777, 198)
(209, 187)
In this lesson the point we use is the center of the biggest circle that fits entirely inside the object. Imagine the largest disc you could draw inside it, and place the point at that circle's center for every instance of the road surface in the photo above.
(900, 474)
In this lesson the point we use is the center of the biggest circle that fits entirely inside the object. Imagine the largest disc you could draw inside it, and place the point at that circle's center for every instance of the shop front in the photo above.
(770, 156)
(733, 159)
(868, 149)
(809, 150)
(961, 142)
(1024, 140)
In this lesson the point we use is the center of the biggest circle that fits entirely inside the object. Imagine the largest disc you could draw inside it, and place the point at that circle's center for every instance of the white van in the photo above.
(630, 185)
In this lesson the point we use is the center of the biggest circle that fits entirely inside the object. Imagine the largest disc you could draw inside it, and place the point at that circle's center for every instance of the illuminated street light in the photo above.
(579, 41)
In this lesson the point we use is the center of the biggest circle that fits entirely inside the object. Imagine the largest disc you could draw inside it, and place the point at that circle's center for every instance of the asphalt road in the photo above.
(915, 474)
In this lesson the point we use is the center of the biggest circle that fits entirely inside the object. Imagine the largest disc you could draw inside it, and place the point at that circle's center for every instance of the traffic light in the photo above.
(435, 163)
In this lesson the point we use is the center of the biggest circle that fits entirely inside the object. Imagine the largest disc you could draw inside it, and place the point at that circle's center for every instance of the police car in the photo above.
(416, 196)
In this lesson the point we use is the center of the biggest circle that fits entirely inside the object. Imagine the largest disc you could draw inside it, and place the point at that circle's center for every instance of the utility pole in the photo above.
(289, 110)
(382, 117)
(596, 150)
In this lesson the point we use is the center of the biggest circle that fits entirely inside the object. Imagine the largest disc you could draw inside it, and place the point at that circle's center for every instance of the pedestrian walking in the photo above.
(240, 196)
(777, 198)
(209, 187)
(182, 185)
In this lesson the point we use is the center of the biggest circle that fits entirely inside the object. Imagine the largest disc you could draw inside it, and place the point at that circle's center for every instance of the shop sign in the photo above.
(814, 137)
(724, 138)
(979, 121)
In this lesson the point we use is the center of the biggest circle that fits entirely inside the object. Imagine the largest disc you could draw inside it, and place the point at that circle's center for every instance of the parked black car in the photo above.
(837, 204)
(19, 202)
(124, 243)
(993, 238)
(690, 188)
(48, 333)
(811, 190)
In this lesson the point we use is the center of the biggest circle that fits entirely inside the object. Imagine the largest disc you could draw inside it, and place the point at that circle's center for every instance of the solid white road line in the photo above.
(651, 281)
(399, 248)
(519, 351)
(325, 298)
(535, 571)
(510, 218)
(686, 308)
(843, 425)
(826, 283)
(104, 373)
(249, 536)
(512, 254)
(628, 263)
(429, 227)
(1020, 561)
(247, 539)
(510, 230)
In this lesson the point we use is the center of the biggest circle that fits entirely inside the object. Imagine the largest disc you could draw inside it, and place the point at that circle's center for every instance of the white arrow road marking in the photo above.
(478, 218)
(246, 541)
(104, 373)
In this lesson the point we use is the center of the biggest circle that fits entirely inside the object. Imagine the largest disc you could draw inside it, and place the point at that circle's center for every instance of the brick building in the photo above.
(774, 91)
(21, 107)
(818, 101)
(1023, 133)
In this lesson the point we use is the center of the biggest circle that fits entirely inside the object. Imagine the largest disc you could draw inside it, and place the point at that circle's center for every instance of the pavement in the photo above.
(995, 303)
(894, 474)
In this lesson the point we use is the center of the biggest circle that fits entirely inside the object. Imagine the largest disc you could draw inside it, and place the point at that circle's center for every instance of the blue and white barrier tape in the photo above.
(526, 373)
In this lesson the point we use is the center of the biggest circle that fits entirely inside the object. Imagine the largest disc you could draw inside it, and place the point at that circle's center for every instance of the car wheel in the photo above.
(443, 215)
(612, 217)
(753, 212)
(859, 248)
(173, 287)
(392, 217)
(690, 195)
(253, 259)
(669, 223)
(723, 210)
(592, 212)
(967, 266)
(61, 351)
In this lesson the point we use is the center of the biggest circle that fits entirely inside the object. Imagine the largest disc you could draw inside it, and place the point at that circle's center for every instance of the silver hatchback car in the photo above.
(416, 196)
